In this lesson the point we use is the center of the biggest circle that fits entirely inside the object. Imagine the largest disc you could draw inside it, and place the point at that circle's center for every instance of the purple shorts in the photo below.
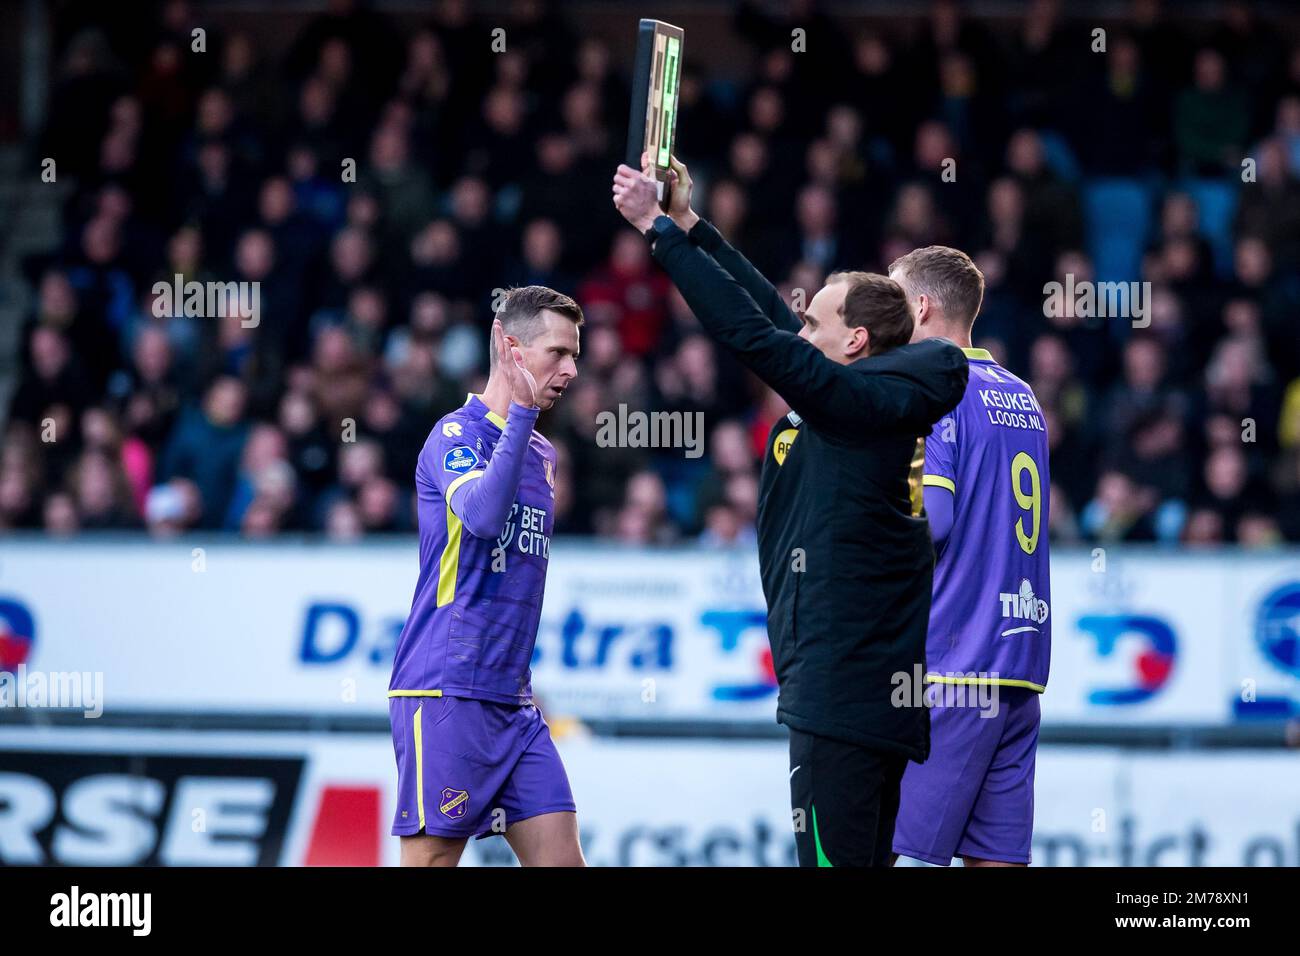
(975, 795)
(472, 767)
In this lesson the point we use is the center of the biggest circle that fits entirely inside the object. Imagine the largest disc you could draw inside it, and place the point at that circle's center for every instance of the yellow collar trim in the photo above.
(490, 415)
(978, 354)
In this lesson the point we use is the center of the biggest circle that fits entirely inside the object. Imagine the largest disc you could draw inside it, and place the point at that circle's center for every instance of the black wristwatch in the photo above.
(657, 229)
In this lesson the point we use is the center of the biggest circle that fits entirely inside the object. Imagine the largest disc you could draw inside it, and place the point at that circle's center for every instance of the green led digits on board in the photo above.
(669, 102)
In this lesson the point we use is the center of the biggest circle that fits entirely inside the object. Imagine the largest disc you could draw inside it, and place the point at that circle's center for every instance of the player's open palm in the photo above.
(523, 387)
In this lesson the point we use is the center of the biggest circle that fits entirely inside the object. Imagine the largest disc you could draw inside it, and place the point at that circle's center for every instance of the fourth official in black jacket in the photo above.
(844, 549)
(845, 552)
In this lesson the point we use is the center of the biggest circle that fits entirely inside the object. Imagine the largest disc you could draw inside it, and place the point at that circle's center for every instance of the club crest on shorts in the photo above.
(460, 459)
(454, 802)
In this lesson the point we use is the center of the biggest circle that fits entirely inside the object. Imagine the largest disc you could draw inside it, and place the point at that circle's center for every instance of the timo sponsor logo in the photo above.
(1023, 605)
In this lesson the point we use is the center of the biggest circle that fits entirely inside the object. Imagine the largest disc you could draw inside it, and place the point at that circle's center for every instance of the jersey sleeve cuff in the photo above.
(939, 481)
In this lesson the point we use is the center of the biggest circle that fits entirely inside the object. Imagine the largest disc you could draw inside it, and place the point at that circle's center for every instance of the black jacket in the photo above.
(844, 546)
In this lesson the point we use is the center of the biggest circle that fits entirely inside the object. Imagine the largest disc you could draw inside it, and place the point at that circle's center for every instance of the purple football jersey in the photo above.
(473, 621)
(990, 615)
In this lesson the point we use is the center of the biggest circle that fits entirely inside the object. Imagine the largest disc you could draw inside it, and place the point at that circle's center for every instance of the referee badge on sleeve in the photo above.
(781, 447)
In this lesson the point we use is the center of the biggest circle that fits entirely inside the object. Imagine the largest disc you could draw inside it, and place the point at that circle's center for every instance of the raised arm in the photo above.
(704, 235)
(482, 497)
(847, 401)
(484, 504)
(907, 389)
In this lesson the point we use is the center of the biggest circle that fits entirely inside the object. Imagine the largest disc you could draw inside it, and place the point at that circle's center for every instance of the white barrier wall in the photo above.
(103, 796)
(1151, 638)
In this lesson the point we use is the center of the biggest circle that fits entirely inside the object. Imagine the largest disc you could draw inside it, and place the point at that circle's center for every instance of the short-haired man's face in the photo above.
(823, 326)
(552, 356)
